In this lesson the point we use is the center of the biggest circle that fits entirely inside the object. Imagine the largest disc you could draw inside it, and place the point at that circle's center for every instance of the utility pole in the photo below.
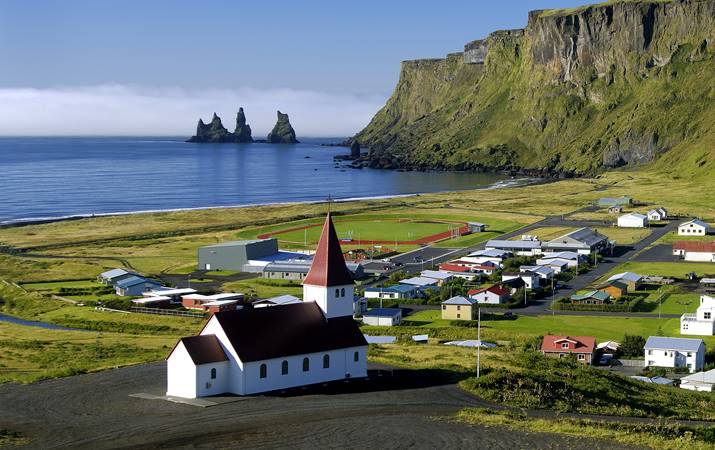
(479, 337)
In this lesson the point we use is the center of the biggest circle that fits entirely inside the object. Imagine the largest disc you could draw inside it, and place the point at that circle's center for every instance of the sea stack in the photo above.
(283, 132)
(355, 150)
(243, 130)
(212, 132)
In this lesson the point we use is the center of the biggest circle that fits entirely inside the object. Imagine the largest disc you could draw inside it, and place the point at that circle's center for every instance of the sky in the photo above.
(72, 67)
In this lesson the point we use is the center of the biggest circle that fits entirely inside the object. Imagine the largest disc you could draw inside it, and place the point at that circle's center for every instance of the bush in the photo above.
(632, 345)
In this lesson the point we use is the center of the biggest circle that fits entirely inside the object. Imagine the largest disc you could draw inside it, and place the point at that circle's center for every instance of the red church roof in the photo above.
(328, 268)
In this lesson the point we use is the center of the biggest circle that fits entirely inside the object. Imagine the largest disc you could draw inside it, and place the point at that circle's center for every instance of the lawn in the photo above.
(55, 285)
(259, 288)
(677, 269)
(426, 319)
(672, 236)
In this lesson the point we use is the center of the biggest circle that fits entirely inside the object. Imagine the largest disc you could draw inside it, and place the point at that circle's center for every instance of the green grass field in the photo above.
(54, 285)
(667, 269)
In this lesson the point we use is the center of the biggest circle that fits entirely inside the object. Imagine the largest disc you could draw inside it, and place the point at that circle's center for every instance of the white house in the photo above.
(675, 352)
(439, 275)
(573, 258)
(558, 265)
(702, 323)
(382, 317)
(420, 282)
(695, 251)
(633, 220)
(276, 301)
(657, 214)
(482, 256)
(492, 295)
(521, 248)
(264, 349)
(699, 381)
(544, 272)
(694, 227)
(396, 292)
(531, 280)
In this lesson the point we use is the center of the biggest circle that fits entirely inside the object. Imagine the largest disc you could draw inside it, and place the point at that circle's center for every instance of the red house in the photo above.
(584, 347)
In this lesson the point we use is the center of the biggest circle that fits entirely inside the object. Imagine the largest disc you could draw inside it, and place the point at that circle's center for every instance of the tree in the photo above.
(632, 345)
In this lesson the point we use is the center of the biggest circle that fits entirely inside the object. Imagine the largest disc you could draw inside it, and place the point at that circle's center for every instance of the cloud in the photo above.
(130, 110)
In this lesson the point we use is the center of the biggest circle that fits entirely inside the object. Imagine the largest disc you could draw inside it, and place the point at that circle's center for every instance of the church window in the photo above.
(356, 356)
(284, 368)
(337, 292)
(306, 364)
(213, 373)
(263, 371)
(342, 292)
(326, 361)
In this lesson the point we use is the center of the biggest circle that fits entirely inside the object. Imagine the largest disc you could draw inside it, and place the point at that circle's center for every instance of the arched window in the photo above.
(326, 361)
(284, 368)
(337, 292)
(213, 373)
(306, 364)
(342, 292)
(356, 356)
(264, 371)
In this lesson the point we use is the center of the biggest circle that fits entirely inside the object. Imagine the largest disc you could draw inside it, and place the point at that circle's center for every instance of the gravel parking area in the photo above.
(399, 410)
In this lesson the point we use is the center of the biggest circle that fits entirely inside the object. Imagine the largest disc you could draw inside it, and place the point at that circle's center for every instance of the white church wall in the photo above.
(337, 305)
(235, 366)
(181, 373)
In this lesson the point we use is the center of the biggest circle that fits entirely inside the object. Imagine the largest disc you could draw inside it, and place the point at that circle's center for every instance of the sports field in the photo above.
(361, 231)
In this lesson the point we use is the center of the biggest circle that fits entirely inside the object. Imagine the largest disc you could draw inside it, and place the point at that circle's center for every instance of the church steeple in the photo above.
(328, 268)
(329, 282)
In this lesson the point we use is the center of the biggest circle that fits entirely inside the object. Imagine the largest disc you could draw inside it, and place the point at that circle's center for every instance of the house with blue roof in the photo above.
(396, 292)
(135, 286)
(675, 353)
(115, 275)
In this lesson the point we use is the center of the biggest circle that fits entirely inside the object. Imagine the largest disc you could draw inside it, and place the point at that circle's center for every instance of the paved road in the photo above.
(405, 409)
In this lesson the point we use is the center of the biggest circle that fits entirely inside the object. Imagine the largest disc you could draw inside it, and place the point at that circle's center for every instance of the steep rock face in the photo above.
(575, 92)
(243, 130)
(215, 132)
(212, 132)
(282, 132)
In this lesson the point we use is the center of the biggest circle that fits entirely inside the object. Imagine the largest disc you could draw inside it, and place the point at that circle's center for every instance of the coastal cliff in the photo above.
(576, 92)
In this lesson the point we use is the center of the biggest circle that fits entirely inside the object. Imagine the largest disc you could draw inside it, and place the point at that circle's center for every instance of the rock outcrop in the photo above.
(215, 132)
(243, 130)
(282, 132)
(355, 150)
(577, 91)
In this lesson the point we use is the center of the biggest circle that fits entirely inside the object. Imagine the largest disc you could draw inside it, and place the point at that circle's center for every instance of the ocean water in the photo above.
(46, 178)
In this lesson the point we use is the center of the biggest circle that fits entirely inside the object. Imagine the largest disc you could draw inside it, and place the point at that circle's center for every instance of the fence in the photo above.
(632, 362)
(166, 312)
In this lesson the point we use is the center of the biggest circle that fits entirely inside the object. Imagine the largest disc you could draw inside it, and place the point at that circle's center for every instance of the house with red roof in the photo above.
(254, 350)
(698, 251)
(493, 295)
(583, 347)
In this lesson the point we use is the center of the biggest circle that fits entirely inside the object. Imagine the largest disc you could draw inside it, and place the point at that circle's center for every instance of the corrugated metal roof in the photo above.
(380, 339)
(113, 273)
(525, 245)
(383, 312)
(671, 343)
(419, 281)
(459, 300)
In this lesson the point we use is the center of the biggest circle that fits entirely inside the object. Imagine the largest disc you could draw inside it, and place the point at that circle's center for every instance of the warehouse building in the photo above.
(235, 254)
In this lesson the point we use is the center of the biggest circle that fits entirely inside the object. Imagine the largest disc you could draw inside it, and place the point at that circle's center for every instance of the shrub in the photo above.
(632, 345)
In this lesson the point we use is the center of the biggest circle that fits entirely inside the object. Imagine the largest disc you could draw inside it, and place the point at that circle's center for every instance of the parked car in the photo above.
(605, 359)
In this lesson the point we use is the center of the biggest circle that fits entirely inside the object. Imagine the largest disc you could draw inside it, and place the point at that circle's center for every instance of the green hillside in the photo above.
(620, 84)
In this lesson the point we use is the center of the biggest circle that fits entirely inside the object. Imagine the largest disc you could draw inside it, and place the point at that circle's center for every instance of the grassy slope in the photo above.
(513, 114)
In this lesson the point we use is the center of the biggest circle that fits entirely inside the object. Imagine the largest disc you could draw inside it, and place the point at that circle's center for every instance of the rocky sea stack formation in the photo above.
(215, 132)
(282, 132)
(578, 91)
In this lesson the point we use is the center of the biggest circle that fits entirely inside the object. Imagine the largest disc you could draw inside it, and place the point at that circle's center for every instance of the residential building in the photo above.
(544, 272)
(276, 301)
(135, 286)
(459, 308)
(382, 317)
(482, 256)
(583, 347)
(574, 259)
(675, 352)
(530, 279)
(440, 276)
(614, 289)
(699, 381)
(708, 285)
(702, 323)
(630, 279)
(521, 248)
(590, 298)
(583, 241)
(209, 302)
(256, 350)
(695, 251)
(174, 294)
(556, 264)
(657, 214)
(115, 275)
(493, 295)
(420, 282)
(396, 292)
(694, 227)
(633, 220)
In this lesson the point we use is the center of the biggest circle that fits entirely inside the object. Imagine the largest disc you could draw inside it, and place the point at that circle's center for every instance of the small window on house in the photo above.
(306, 364)
(459, 307)
(565, 345)
(356, 356)
(284, 368)
(706, 315)
(444, 307)
(650, 352)
(326, 361)
(342, 292)
(459, 316)
(263, 371)
(213, 374)
(582, 356)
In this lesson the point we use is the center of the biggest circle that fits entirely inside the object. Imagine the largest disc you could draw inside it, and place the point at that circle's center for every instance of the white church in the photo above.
(255, 350)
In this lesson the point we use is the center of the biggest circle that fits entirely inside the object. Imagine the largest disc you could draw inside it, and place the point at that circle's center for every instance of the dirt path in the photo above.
(401, 411)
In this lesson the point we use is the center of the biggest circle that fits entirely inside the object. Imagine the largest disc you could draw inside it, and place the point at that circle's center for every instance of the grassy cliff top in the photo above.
(579, 9)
